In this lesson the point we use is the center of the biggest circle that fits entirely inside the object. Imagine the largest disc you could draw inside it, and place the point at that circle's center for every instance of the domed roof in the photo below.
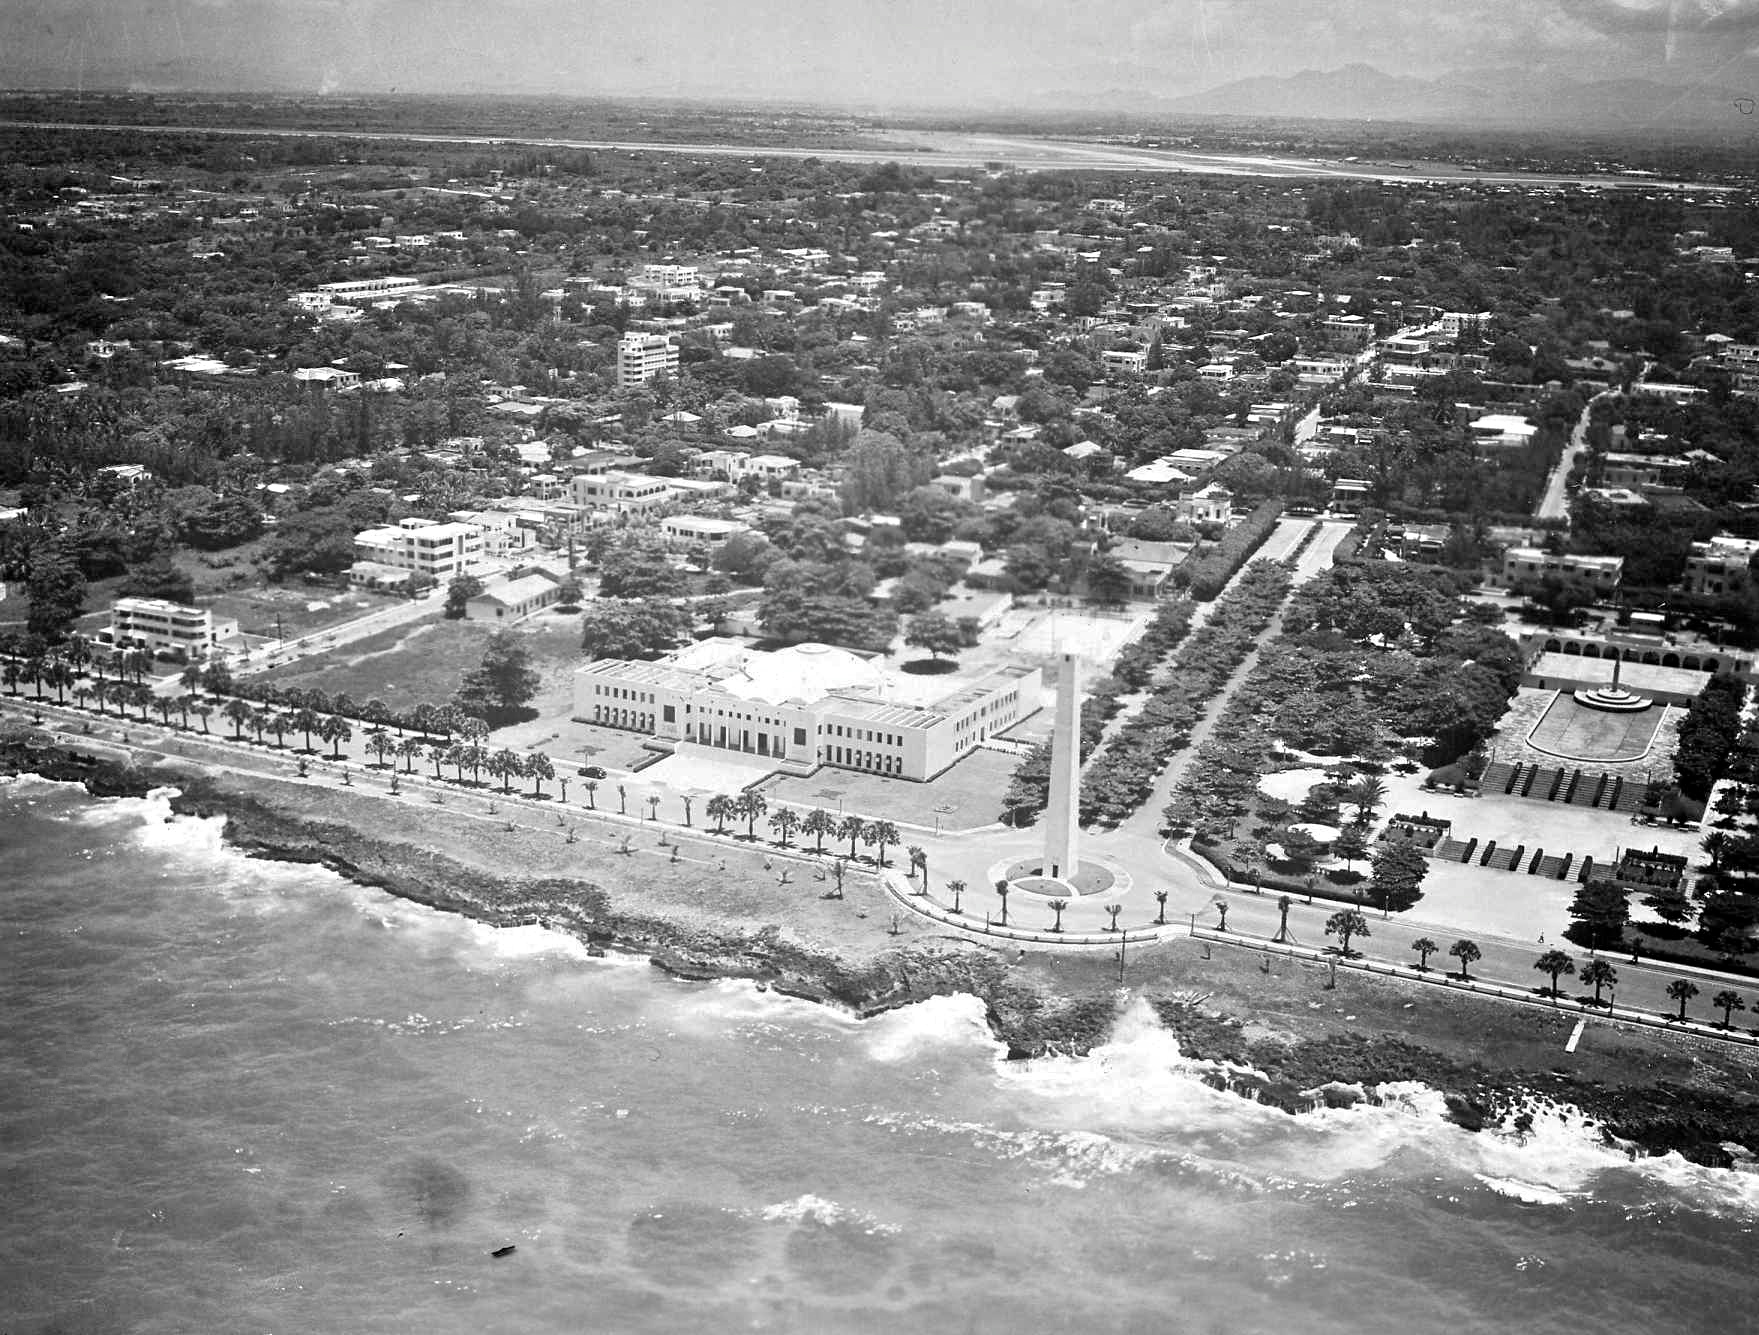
(803, 672)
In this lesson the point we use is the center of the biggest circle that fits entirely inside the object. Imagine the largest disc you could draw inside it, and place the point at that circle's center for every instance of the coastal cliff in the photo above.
(1656, 1093)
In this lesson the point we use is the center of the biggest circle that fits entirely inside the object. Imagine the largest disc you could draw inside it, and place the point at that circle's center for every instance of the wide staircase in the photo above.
(1568, 785)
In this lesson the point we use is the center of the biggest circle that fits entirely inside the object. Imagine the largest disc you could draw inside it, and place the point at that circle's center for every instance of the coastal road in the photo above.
(1641, 986)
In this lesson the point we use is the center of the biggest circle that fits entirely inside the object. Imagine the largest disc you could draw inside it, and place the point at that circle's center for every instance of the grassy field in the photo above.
(407, 665)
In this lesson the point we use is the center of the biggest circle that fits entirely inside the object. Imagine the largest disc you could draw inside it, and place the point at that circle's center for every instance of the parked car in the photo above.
(592, 771)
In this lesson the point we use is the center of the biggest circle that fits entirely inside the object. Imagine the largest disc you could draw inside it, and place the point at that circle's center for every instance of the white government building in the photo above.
(803, 706)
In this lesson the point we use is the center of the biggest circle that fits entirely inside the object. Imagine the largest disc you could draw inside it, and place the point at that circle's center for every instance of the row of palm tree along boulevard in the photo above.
(443, 737)
(1349, 925)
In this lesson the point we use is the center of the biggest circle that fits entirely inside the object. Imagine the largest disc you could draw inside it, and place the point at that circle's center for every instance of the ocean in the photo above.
(248, 1097)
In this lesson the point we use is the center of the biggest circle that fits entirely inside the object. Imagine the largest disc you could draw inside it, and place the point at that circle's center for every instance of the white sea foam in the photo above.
(808, 1208)
(1137, 1081)
(936, 1023)
(1138, 1084)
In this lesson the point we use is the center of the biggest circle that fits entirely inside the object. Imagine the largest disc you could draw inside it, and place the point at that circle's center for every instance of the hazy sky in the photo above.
(885, 51)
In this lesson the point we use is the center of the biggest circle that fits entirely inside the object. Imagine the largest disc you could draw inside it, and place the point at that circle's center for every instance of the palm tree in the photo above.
(9, 673)
(918, 862)
(1057, 907)
(183, 704)
(379, 742)
(622, 800)
(752, 805)
(958, 888)
(1002, 888)
(653, 806)
(1556, 964)
(33, 668)
(1465, 952)
(259, 722)
(457, 756)
(1366, 793)
(1424, 948)
(1114, 910)
(407, 750)
(81, 693)
(1728, 1001)
(784, 821)
(719, 809)
(1160, 899)
(203, 711)
(882, 833)
(441, 754)
(686, 799)
(476, 756)
(164, 704)
(1345, 924)
(60, 676)
(280, 725)
(78, 651)
(539, 767)
(1716, 844)
(851, 828)
(818, 823)
(591, 786)
(335, 730)
(1682, 990)
(506, 766)
(562, 780)
(1597, 973)
(307, 720)
(101, 693)
(423, 716)
(378, 713)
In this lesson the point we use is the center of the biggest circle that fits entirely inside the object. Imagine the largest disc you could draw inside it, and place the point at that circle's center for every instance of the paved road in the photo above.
(1640, 986)
(1555, 504)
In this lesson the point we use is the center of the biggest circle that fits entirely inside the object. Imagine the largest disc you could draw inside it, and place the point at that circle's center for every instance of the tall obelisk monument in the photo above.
(1062, 830)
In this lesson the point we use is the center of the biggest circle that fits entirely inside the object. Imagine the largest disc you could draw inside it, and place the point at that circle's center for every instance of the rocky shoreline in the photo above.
(1071, 1012)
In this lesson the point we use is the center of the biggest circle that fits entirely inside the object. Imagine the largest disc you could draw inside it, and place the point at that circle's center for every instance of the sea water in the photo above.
(247, 1097)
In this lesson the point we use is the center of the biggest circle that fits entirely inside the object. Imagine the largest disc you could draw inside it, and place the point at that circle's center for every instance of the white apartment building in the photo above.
(386, 557)
(641, 357)
(683, 532)
(161, 626)
(1721, 565)
(804, 706)
(625, 493)
(1529, 565)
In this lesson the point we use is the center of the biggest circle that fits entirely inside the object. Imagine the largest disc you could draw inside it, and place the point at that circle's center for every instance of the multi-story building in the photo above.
(1722, 565)
(804, 706)
(625, 493)
(1529, 565)
(386, 557)
(704, 532)
(161, 626)
(641, 357)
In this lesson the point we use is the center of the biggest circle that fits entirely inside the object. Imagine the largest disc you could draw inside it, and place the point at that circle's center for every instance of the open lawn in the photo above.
(407, 665)
(287, 611)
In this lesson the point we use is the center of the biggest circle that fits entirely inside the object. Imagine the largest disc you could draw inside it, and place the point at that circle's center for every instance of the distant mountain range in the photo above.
(1482, 98)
